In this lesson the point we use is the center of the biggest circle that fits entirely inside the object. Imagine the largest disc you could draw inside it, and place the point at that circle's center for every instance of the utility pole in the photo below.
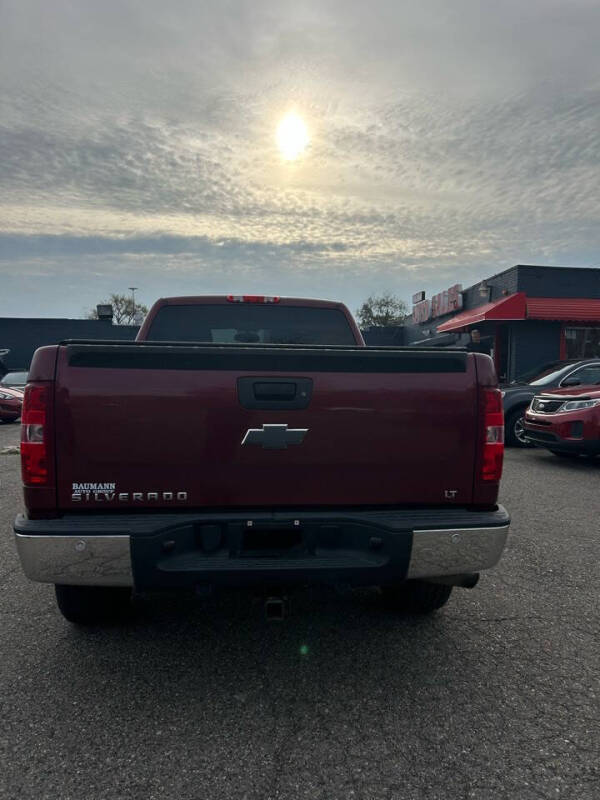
(132, 289)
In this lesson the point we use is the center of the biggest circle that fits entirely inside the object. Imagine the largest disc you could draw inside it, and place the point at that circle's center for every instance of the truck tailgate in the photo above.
(171, 426)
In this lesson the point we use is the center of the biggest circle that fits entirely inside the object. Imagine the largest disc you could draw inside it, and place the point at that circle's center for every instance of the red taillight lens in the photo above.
(34, 445)
(493, 435)
(252, 298)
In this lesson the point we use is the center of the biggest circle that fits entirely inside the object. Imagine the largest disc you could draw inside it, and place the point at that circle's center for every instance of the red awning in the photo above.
(507, 308)
(577, 309)
(518, 306)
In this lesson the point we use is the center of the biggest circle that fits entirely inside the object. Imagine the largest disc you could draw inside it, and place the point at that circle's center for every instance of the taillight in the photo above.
(493, 435)
(252, 298)
(34, 436)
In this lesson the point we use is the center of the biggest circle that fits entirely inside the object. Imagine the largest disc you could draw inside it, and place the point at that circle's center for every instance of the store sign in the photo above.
(418, 297)
(440, 304)
(422, 312)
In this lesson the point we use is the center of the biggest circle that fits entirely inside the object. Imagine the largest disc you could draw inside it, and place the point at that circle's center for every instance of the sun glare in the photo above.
(292, 136)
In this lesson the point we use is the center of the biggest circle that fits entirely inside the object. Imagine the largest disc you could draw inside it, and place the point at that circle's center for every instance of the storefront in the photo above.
(20, 337)
(523, 317)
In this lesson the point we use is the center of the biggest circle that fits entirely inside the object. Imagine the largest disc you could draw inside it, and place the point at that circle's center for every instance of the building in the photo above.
(22, 336)
(525, 317)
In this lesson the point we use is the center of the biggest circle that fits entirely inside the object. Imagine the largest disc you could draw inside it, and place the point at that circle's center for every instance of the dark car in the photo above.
(558, 374)
(16, 379)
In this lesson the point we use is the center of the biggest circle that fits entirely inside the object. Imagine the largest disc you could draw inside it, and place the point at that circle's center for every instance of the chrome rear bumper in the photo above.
(78, 560)
(454, 552)
(106, 560)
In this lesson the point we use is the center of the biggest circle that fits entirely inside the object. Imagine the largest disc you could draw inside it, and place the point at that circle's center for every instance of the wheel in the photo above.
(416, 597)
(92, 605)
(514, 431)
(9, 420)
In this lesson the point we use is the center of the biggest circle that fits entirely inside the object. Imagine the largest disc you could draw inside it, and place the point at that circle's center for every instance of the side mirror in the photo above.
(571, 382)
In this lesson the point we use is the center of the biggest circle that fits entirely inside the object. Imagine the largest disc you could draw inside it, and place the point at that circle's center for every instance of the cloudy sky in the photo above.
(448, 141)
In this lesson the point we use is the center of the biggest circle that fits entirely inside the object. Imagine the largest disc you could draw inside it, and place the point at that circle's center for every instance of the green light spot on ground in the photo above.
(304, 650)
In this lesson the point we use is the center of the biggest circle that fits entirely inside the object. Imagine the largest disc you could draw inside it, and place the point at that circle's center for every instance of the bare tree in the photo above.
(381, 311)
(124, 312)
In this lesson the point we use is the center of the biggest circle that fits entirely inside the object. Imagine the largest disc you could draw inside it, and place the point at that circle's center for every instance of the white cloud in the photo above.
(446, 140)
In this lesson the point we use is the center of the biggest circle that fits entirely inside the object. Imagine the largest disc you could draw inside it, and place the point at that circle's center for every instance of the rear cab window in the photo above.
(251, 324)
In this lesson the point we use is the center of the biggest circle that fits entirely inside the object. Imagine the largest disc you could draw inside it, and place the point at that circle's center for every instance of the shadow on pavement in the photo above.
(187, 647)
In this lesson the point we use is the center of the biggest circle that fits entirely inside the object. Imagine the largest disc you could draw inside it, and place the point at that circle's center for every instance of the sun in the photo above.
(292, 136)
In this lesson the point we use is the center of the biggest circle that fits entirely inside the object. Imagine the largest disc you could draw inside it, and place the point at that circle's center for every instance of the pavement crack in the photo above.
(4, 578)
(520, 618)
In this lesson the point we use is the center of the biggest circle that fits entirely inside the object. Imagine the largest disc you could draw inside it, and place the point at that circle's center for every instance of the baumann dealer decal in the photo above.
(107, 493)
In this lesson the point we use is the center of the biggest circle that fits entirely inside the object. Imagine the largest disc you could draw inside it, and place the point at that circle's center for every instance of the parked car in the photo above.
(282, 462)
(518, 395)
(15, 379)
(566, 422)
(11, 403)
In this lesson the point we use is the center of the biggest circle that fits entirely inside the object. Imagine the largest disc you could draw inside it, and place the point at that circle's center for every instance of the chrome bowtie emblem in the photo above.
(274, 437)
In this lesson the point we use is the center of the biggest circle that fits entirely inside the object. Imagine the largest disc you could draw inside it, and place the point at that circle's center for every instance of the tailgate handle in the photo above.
(275, 391)
(274, 394)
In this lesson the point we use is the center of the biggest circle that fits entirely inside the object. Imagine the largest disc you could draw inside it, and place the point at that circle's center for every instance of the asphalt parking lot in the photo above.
(497, 696)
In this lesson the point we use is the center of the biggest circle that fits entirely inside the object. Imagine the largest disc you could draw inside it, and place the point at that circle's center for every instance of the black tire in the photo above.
(416, 597)
(514, 430)
(93, 605)
(10, 420)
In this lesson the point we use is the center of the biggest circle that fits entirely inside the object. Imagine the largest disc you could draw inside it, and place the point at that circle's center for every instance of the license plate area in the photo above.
(261, 541)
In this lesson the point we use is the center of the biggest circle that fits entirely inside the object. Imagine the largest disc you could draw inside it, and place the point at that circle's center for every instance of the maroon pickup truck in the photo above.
(257, 441)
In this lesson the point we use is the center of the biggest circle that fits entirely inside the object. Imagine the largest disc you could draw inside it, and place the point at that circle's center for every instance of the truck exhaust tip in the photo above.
(466, 581)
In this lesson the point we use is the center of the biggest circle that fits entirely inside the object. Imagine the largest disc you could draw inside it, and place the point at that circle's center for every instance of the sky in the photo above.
(447, 142)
